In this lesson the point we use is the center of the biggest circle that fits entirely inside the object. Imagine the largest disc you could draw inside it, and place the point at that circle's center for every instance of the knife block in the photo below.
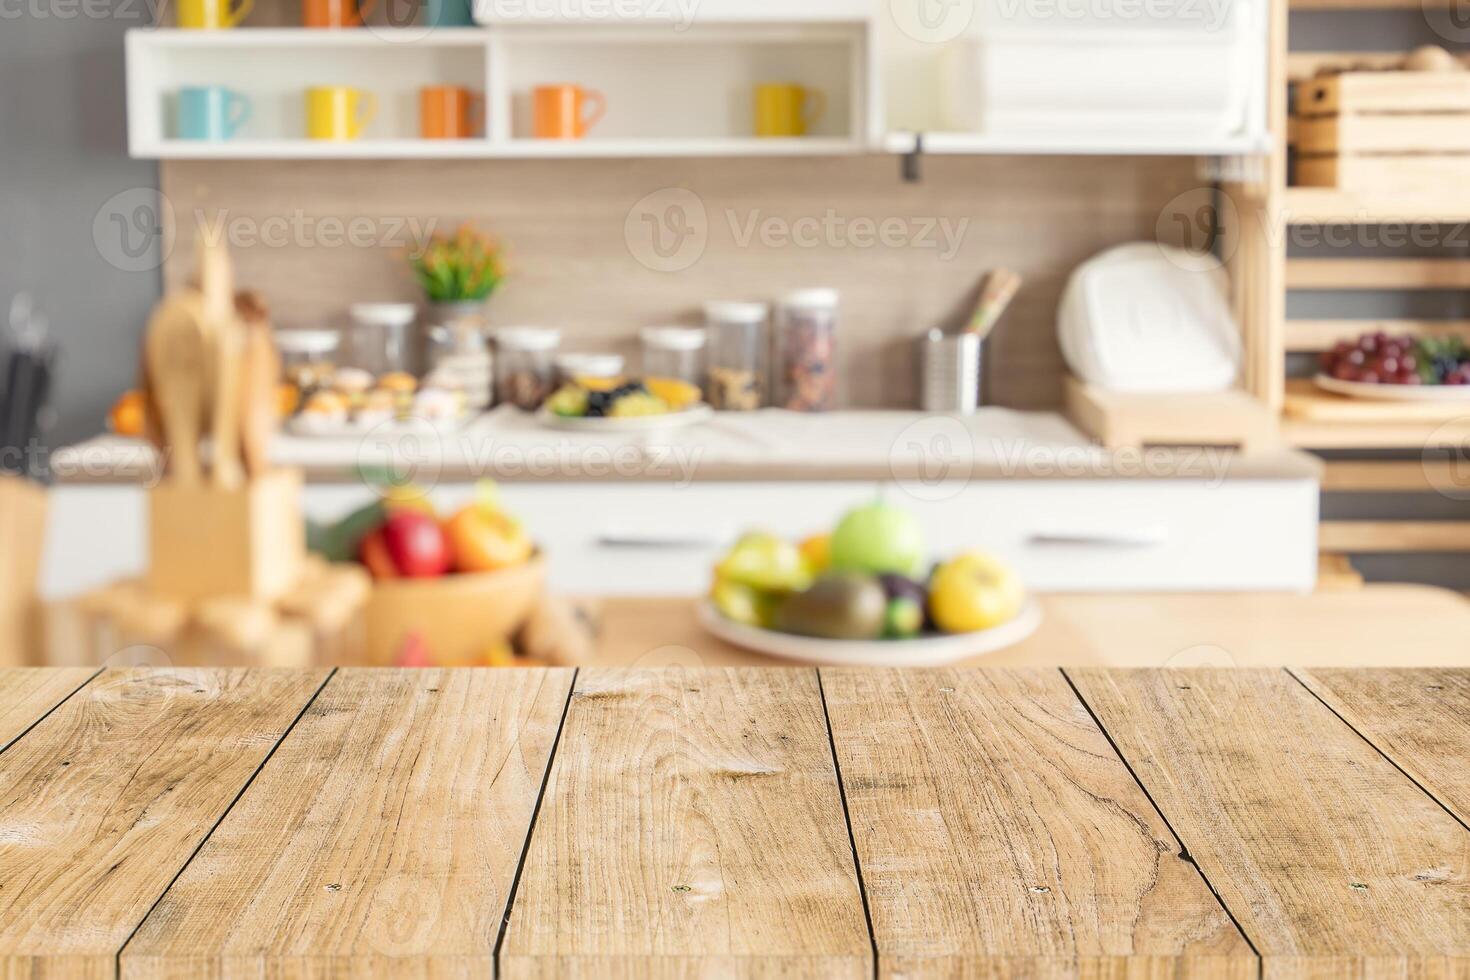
(207, 542)
(22, 534)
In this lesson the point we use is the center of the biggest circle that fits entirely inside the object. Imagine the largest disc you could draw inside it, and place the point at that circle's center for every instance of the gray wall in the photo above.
(63, 158)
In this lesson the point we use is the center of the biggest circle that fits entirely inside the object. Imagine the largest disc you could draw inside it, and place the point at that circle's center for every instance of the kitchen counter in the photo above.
(1371, 626)
(512, 446)
(649, 514)
(771, 822)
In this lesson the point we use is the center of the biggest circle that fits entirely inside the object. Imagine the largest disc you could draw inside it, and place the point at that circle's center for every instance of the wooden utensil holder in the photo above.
(22, 535)
(207, 542)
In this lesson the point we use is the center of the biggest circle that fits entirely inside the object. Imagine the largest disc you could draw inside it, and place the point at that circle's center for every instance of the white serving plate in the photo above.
(1394, 393)
(635, 423)
(928, 651)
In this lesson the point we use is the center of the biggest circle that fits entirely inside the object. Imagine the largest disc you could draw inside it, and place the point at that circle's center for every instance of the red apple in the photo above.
(417, 544)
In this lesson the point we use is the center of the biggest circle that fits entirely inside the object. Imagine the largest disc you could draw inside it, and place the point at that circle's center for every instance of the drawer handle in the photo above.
(659, 542)
(1145, 537)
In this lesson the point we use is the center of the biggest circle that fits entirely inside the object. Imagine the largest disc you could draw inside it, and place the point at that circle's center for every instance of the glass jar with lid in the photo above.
(383, 338)
(737, 355)
(572, 367)
(807, 361)
(524, 365)
(308, 357)
(674, 352)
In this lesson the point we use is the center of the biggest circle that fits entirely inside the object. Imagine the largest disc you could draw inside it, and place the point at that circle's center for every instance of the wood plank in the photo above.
(1417, 476)
(384, 832)
(1388, 134)
(1304, 400)
(1307, 336)
(1311, 838)
(1419, 718)
(1304, 65)
(1067, 866)
(1378, 274)
(1220, 418)
(27, 693)
(1373, 537)
(692, 825)
(1330, 205)
(102, 803)
(1333, 434)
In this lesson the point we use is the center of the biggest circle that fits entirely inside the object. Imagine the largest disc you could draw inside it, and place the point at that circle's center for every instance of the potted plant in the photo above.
(458, 273)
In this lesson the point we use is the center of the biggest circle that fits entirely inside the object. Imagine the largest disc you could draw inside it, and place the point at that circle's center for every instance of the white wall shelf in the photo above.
(674, 89)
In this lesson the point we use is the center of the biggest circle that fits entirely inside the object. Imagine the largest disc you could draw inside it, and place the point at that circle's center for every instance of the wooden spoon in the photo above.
(177, 353)
(261, 370)
(217, 301)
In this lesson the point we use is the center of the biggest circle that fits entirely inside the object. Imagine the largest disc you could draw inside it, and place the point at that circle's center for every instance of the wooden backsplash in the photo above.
(333, 233)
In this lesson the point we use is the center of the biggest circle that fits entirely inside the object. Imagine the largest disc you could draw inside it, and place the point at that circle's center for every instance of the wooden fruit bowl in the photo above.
(459, 617)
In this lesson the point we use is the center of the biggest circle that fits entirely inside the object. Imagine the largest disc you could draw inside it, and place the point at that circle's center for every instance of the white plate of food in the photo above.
(1379, 391)
(692, 415)
(930, 650)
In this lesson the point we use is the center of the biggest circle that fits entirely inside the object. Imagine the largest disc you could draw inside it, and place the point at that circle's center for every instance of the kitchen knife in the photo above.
(261, 370)
(222, 325)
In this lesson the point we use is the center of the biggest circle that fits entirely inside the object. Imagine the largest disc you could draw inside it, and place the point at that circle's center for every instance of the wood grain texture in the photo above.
(1332, 861)
(27, 693)
(571, 264)
(385, 831)
(692, 826)
(998, 832)
(1418, 718)
(102, 803)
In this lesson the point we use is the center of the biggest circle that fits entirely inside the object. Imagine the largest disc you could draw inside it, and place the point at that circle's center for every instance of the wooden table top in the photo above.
(735, 821)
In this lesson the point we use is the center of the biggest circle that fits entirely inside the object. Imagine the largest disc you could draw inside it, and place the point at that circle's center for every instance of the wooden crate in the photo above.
(1383, 130)
(22, 531)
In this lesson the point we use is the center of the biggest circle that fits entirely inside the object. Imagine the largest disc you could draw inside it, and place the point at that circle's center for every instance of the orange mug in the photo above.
(450, 112)
(560, 111)
(334, 13)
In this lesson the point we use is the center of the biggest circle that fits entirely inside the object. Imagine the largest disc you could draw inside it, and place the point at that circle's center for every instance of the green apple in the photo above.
(878, 538)
(765, 562)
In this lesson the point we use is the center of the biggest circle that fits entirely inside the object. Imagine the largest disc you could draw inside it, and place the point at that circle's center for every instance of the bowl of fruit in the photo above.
(624, 405)
(866, 595)
(453, 588)
(1387, 368)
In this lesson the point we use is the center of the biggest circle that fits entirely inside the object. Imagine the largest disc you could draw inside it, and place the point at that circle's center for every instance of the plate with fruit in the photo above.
(1386, 368)
(624, 405)
(866, 595)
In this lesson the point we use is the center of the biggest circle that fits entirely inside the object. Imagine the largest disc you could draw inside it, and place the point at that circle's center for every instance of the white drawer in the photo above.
(660, 539)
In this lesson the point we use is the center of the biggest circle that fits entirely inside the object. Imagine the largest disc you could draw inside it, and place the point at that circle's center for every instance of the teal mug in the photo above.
(448, 13)
(211, 112)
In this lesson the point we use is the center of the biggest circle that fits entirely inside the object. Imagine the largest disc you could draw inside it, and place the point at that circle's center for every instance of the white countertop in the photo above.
(772, 444)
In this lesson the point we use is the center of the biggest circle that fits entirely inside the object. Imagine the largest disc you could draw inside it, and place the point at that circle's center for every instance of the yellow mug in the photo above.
(212, 15)
(337, 112)
(786, 109)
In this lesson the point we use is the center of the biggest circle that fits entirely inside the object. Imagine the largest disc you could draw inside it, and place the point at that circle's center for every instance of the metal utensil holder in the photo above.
(949, 372)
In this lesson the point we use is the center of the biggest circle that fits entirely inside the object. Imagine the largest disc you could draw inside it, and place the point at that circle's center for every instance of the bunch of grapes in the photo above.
(1377, 358)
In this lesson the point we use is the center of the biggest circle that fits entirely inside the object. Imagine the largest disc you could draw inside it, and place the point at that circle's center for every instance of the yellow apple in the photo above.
(974, 592)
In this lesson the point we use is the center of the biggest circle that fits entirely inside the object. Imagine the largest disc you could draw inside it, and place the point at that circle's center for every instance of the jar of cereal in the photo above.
(807, 357)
